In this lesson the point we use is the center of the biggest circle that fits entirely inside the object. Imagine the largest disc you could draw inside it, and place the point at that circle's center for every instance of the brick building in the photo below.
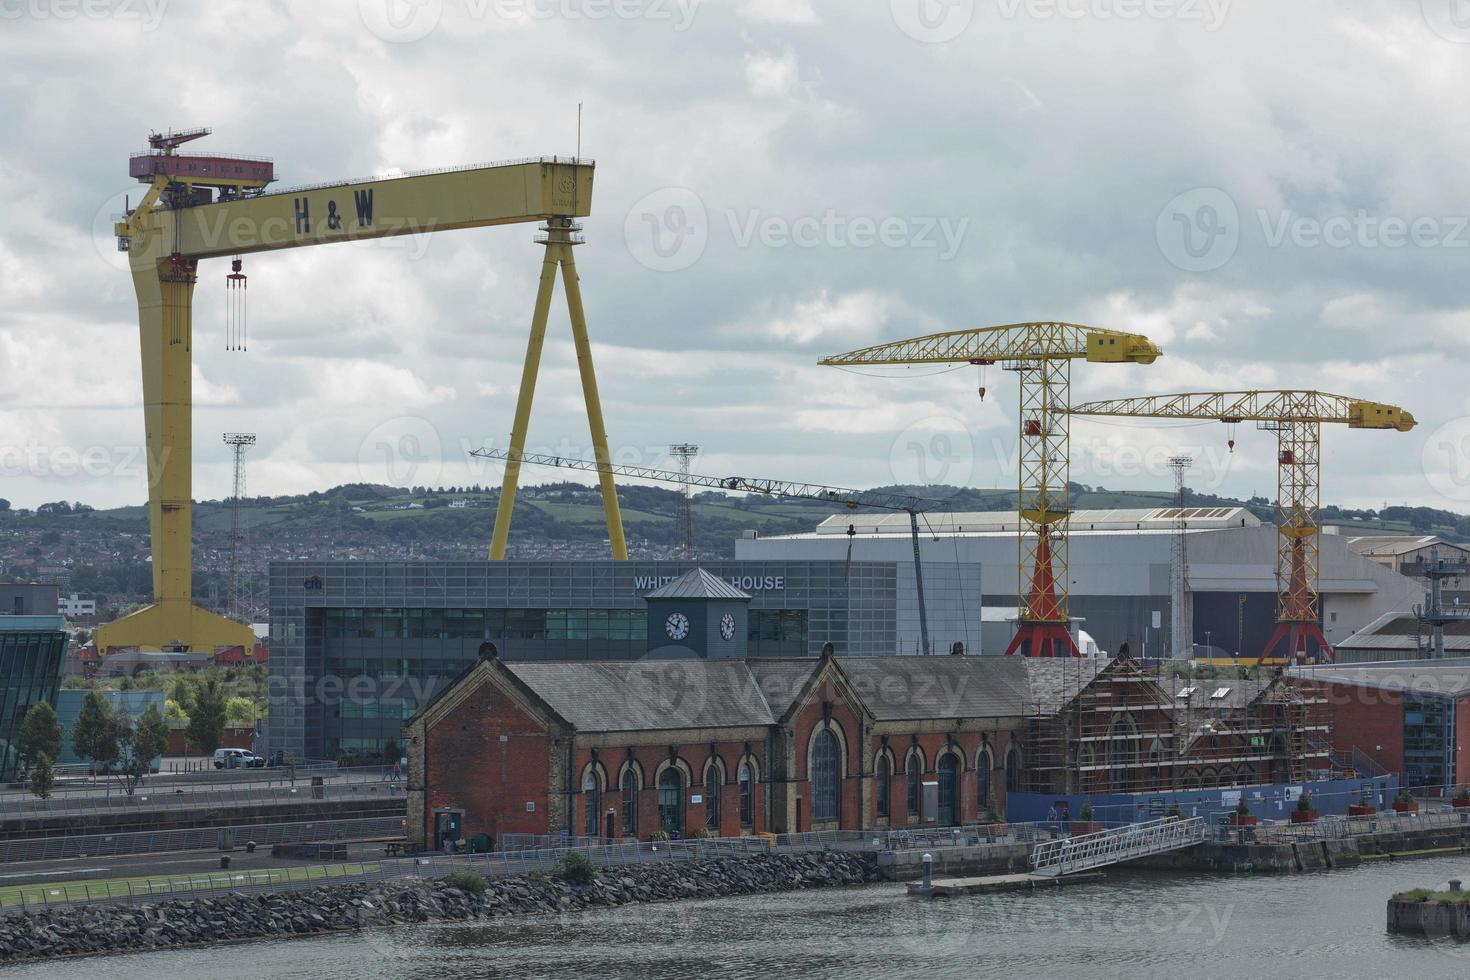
(618, 750)
(1411, 718)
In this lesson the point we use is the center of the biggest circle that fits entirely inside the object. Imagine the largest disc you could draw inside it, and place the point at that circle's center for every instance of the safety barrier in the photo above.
(153, 842)
(1073, 854)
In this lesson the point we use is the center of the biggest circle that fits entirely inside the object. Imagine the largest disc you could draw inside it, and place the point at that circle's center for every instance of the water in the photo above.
(1326, 924)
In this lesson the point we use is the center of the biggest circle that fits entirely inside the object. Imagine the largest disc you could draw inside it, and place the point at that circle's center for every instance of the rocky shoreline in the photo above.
(90, 930)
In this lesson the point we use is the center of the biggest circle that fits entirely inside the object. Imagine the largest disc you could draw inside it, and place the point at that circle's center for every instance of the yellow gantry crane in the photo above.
(1041, 354)
(199, 207)
(1297, 418)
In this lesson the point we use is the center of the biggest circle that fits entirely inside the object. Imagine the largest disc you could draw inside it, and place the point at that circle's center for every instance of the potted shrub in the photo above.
(1364, 807)
(1242, 817)
(1462, 798)
(1404, 802)
(1084, 824)
(1305, 812)
(1174, 813)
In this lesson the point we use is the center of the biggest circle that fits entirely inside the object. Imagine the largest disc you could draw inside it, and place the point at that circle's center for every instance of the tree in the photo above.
(42, 777)
(207, 715)
(240, 712)
(146, 741)
(174, 714)
(94, 734)
(40, 733)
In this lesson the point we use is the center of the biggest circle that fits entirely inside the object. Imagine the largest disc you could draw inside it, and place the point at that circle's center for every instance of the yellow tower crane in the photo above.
(1297, 418)
(199, 207)
(1041, 354)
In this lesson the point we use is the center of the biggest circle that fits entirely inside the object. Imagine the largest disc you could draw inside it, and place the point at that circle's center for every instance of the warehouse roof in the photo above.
(1141, 519)
(1416, 676)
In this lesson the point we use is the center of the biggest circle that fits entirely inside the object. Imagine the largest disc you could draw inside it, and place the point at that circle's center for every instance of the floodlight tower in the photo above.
(684, 452)
(239, 442)
(1181, 632)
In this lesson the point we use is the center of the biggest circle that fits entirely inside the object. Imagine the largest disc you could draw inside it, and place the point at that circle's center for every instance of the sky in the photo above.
(1273, 192)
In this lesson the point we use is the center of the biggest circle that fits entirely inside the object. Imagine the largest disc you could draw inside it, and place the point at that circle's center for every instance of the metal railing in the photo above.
(150, 796)
(1073, 854)
(151, 842)
(1337, 827)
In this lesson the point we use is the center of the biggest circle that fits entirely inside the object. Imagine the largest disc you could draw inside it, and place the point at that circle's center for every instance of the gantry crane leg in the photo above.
(1044, 493)
(165, 290)
(1298, 513)
(560, 237)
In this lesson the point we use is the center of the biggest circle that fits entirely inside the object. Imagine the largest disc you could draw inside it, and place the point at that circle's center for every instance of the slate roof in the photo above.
(1052, 682)
(917, 688)
(1238, 693)
(697, 584)
(781, 680)
(648, 694)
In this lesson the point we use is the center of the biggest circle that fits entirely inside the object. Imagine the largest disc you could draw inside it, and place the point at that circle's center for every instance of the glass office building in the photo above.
(357, 647)
(32, 655)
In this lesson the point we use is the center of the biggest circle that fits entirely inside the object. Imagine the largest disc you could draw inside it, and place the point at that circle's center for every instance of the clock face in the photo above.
(727, 626)
(677, 626)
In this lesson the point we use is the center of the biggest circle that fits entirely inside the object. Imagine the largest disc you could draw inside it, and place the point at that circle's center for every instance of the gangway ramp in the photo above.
(1070, 855)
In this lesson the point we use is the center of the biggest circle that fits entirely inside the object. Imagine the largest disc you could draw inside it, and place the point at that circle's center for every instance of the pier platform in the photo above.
(950, 887)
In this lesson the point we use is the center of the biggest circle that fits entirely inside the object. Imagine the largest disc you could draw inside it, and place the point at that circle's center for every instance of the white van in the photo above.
(237, 759)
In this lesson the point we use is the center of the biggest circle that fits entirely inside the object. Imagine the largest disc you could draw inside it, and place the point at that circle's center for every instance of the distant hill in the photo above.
(104, 553)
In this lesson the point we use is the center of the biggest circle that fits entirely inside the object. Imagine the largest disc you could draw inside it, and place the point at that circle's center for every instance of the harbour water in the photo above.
(1328, 924)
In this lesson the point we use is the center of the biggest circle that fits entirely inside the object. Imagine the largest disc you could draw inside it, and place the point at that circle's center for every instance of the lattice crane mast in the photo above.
(1297, 418)
(851, 499)
(198, 207)
(1041, 354)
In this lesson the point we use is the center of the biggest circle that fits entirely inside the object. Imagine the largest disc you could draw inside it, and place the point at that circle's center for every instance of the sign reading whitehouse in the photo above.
(746, 583)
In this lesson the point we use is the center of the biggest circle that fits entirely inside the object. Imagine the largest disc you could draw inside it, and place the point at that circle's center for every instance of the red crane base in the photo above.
(1297, 635)
(1043, 640)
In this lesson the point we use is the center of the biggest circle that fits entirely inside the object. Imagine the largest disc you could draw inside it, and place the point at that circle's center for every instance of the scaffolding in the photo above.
(1120, 729)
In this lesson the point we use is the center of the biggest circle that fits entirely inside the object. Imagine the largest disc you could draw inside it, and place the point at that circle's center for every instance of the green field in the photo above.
(166, 886)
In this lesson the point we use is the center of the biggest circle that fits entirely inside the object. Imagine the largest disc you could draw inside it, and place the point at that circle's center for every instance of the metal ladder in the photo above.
(1072, 854)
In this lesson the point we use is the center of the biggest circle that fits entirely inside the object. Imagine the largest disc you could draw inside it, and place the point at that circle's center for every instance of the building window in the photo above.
(671, 803)
(592, 801)
(915, 771)
(747, 796)
(825, 777)
(1013, 770)
(630, 803)
(983, 765)
(712, 797)
(883, 779)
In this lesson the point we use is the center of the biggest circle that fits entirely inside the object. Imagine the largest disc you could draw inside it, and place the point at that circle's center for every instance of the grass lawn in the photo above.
(171, 885)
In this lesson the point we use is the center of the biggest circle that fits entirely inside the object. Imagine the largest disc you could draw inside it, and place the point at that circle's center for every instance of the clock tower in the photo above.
(698, 614)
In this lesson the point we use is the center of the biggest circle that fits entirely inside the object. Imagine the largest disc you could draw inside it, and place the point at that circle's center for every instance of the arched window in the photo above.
(882, 778)
(671, 802)
(825, 776)
(949, 789)
(712, 780)
(983, 766)
(1122, 753)
(747, 795)
(915, 776)
(630, 803)
(1013, 770)
(592, 803)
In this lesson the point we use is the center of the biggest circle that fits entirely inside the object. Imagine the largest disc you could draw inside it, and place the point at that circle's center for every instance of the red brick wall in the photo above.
(488, 758)
(649, 758)
(1367, 718)
(844, 717)
(967, 743)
